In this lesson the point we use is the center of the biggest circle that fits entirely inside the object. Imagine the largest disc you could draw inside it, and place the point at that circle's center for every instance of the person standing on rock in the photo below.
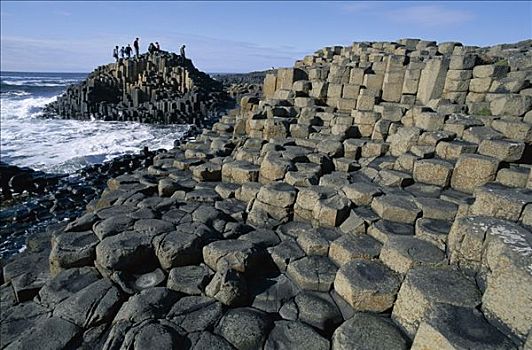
(157, 47)
(182, 51)
(122, 51)
(115, 53)
(128, 51)
(136, 46)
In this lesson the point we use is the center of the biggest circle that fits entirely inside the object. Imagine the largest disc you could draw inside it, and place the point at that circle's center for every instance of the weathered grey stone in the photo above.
(149, 303)
(433, 231)
(396, 208)
(195, 313)
(451, 150)
(244, 328)
(207, 172)
(273, 167)
(239, 255)
(102, 298)
(144, 334)
(228, 287)
(19, 318)
(285, 252)
(367, 285)
(382, 230)
(269, 294)
(351, 247)
(498, 201)
(65, 284)
(167, 187)
(50, 333)
(438, 209)
(226, 190)
(278, 194)
(312, 273)
(455, 327)
(472, 171)
(508, 278)
(317, 242)
(318, 310)
(129, 251)
(433, 172)
(506, 151)
(422, 289)
(206, 340)
(332, 211)
(182, 247)
(401, 253)
(368, 331)
(72, 249)
(354, 224)
(294, 335)
(511, 104)
(190, 280)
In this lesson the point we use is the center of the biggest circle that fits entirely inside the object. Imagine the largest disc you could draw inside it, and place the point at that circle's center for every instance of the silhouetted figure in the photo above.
(157, 46)
(182, 51)
(128, 51)
(151, 48)
(136, 46)
(115, 53)
(122, 51)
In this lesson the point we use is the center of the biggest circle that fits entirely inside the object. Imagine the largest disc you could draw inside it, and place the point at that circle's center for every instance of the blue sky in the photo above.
(239, 36)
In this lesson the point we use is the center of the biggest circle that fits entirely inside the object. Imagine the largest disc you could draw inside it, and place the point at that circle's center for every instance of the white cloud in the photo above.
(429, 15)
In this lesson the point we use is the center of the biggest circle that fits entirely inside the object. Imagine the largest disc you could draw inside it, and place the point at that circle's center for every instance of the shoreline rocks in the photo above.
(393, 241)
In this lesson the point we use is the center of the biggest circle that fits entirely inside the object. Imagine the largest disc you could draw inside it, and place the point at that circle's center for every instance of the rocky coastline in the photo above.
(377, 196)
(157, 88)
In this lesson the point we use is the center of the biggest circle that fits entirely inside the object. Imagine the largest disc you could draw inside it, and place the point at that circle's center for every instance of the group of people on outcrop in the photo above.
(125, 52)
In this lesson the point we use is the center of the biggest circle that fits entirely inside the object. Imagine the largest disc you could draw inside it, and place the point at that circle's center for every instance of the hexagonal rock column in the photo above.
(433, 172)
(454, 327)
(424, 286)
(396, 208)
(506, 262)
(332, 211)
(312, 273)
(472, 171)
(368, 331)
(240, 172)
(255, 323)
(277, 194)
(350, 247)
(400, 253)
(495, 200)
(367, 285)
(295, 335)
(231, 253)
(274, 168)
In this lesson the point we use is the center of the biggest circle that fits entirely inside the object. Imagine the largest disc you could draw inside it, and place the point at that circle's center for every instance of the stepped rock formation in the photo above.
(160, 88)
(377, 196)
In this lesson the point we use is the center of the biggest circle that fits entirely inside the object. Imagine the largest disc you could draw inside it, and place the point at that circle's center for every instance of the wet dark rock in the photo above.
(93, 305)
(148, 304)
(196, 313)
(51, 333)
(288, 335)
(65, 284)
(190, 280)
(245, 328)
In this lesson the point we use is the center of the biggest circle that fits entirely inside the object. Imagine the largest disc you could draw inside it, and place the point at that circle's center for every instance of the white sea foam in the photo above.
(65, 146)
(45, 83)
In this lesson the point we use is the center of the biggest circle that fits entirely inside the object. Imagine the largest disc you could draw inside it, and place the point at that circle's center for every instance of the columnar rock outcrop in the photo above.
(378, 195)
(160, 87)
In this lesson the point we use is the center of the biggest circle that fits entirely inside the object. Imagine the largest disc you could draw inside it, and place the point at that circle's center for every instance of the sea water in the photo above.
(59, 145)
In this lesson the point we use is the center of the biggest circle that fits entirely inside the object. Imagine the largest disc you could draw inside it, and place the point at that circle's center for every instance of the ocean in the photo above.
(65, 146)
